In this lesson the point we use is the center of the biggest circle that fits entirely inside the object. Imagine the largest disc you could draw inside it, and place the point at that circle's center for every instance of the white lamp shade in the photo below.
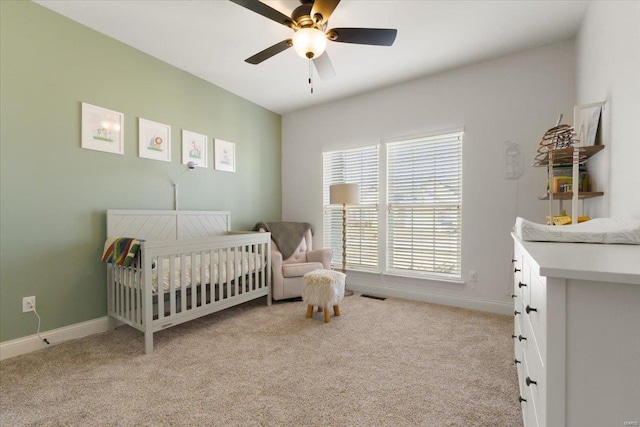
(347, 194)
(309, 42)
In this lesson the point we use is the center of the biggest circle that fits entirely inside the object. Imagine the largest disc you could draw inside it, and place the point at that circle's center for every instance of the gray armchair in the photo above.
(288, 272)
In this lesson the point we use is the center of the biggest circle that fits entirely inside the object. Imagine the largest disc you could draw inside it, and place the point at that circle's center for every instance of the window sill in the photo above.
(409, 277)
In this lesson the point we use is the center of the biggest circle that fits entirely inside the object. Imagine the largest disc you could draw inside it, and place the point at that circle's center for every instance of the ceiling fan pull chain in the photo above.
(311, 75)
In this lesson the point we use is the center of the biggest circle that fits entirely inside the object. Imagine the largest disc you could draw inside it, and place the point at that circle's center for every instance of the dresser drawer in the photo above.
(529, 409)
(536, 374)
(518, 267)
(517, 354)
(534, 313)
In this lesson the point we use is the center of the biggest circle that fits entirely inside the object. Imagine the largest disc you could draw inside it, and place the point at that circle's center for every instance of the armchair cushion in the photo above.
(321, 255)
(300, 268)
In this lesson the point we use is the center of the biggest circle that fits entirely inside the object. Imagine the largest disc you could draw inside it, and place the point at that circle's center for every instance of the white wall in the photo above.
(515, 98)
(608, 69)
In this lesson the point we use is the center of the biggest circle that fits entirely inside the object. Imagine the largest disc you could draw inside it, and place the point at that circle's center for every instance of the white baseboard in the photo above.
(497, 307)
(56, 336)
(79, 330)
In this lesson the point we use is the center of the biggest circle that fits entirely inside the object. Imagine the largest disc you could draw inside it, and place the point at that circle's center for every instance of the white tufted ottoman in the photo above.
(323, 288)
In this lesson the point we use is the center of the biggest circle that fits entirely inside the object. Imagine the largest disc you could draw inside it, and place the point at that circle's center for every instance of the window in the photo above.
(359, 166)
(419, 231)
(424, 200)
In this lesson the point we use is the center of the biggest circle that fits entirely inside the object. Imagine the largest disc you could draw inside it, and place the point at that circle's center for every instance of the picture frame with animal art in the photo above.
(194, 148)
(154, 140)
(102, 129)
(225, 156)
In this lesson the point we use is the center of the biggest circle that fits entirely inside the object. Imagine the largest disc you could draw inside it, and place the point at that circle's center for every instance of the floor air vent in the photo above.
(373, 297)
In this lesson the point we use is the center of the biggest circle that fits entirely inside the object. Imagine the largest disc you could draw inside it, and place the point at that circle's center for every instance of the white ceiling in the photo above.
(212, 38)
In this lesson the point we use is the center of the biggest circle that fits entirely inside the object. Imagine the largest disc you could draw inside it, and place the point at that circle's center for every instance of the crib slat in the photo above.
(250, 273)
(136, 294)
(116, 284)
(237, 272)
(212, 277)
(220, 280)
(259, 278)
(132, 294)
(268, 269)
(263, 264)
(131, 290)
(203, 279)
(139, 293)
(242, 261)
(228, 270)
(160, 285)
(121, 292)
(194, 279)
(172, 285)
(183, 283)
(127, 293)
(260, 264)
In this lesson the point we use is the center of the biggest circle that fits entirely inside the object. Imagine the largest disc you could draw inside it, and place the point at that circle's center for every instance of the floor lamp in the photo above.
(344, 194)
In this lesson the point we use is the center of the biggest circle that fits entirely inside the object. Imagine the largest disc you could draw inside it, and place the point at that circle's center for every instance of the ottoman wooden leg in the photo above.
(309, 311)
(327, 319)
(336, 310)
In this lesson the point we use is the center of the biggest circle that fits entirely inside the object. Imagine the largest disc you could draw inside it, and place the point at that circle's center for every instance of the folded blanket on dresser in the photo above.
(120, 250)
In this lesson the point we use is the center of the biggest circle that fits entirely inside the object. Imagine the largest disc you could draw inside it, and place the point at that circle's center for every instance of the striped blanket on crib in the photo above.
(120, 250)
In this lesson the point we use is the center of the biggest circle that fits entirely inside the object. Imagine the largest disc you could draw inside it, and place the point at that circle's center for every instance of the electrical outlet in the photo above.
(473, 276)
(28, 304)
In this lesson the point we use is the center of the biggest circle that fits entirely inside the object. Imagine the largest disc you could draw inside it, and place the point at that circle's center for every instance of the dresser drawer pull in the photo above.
(514, 336)
(515, 270)
(516, 361)
(521, 399)
(514, 260)
(520, 284)
(520, 338)
(529, 309)
(529, 381)
(514, 296)
(516, 312)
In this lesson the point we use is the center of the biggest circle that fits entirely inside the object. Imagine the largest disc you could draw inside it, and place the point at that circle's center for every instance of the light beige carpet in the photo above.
(382, 363)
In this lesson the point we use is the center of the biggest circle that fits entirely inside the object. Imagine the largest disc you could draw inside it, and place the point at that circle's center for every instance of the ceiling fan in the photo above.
(309, 23)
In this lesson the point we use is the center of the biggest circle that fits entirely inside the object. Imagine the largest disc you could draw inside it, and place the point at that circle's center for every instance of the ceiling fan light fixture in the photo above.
(309, 42)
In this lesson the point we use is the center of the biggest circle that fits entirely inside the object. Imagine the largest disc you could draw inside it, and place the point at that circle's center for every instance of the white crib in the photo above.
(190, 265)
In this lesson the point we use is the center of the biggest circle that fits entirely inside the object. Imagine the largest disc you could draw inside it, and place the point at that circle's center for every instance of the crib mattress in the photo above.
(599, 230)
(193, 269)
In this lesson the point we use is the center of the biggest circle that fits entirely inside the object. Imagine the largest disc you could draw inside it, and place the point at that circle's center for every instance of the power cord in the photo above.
(38, 316)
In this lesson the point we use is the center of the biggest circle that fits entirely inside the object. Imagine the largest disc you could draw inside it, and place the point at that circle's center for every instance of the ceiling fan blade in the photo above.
(372, 36)
(324, 67)
(266, 11)
(269, 52)
(323, 8)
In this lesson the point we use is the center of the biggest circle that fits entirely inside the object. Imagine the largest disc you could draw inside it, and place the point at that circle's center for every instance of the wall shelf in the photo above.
(586, 121)
(569, 195)
(564, 156)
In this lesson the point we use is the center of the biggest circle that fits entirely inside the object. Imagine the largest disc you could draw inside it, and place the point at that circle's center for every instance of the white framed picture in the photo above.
(225, 156)
(194, 148)
(587, 122)
(154, 140)
(102, 129)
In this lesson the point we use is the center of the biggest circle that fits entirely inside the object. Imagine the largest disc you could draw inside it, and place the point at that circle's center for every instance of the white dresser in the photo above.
(577, 333)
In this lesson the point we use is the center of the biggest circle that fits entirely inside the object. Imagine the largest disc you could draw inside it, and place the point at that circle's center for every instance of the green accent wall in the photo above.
(54, 194)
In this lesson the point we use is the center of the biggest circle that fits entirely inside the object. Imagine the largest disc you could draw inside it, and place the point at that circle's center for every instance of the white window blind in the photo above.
(359, 166)
(424, 206)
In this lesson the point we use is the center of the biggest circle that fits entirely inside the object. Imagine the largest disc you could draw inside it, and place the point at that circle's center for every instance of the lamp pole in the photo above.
(344, 238)
(344, 194)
